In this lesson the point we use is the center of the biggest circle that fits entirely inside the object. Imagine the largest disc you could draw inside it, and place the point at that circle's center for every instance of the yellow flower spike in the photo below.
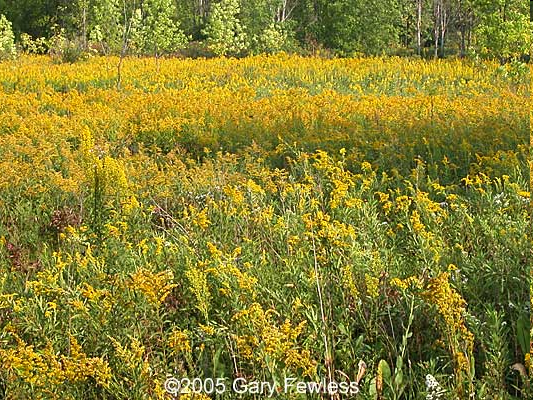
(197, 277)
(237, 252)
(452, 267)
(215, 253)
(452, 308)
(416, 223)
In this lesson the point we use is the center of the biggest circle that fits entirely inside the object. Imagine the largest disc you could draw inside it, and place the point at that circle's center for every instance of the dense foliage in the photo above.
(265, 217)
(495, 29)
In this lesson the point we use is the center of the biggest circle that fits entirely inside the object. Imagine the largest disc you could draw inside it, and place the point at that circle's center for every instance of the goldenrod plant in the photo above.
(297, 221)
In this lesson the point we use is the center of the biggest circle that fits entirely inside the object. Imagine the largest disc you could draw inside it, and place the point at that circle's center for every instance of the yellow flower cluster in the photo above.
(48, 370)
(63, 141)
(372, 286)
(452, 308)
(278, 342)
(179, 341)
(334, 232)
(155, 286)
(133, 356)
(227, 271)
(348, 282)
(412, 281)
(197, 277)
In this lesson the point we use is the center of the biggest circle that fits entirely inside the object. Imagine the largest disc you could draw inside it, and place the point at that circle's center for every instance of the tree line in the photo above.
(431, 28)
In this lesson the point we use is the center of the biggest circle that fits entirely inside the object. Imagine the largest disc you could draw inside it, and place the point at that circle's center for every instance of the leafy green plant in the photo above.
(504, 32)
(498, 361)
(391, 383)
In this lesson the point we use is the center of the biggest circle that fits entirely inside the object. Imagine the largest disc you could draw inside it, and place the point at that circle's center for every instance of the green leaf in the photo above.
(372, 390)
(399, 363)
(522, 332)
(398, 379)
(383, 366)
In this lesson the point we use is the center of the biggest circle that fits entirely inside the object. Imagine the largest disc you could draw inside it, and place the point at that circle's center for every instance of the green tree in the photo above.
(161, 33)
(107, 25)
(192, 16)
(350, 26)
(7, 39)
(503, 30)
(259, 19)
(35, 17)
(224, 31)
(274, 38)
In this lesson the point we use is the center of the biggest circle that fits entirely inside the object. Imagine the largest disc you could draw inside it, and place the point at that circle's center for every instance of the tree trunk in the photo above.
(504, 12)
(84, 26)
(443, 28)
(203, 7)
(125, 39)
(285, 10)
(463, 41)
(418, 27)
(436, 27)
(469, 32)
(462, 29)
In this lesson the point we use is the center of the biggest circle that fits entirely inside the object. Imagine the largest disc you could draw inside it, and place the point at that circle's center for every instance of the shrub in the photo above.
(33, 46)
(65, 50)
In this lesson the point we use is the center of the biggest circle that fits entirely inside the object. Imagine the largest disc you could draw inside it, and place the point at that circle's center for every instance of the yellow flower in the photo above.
(366, 166)
(348, 282)
(155, 286)
(207, 329)
(402, 203)
(179, 341)
(199, 218)
(372, 286)
(416, 223)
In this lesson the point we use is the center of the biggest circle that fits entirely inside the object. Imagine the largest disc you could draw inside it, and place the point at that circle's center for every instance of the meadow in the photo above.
(264, 218)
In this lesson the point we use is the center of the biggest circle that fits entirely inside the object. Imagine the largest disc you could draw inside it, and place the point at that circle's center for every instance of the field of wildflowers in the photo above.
(354, 220)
